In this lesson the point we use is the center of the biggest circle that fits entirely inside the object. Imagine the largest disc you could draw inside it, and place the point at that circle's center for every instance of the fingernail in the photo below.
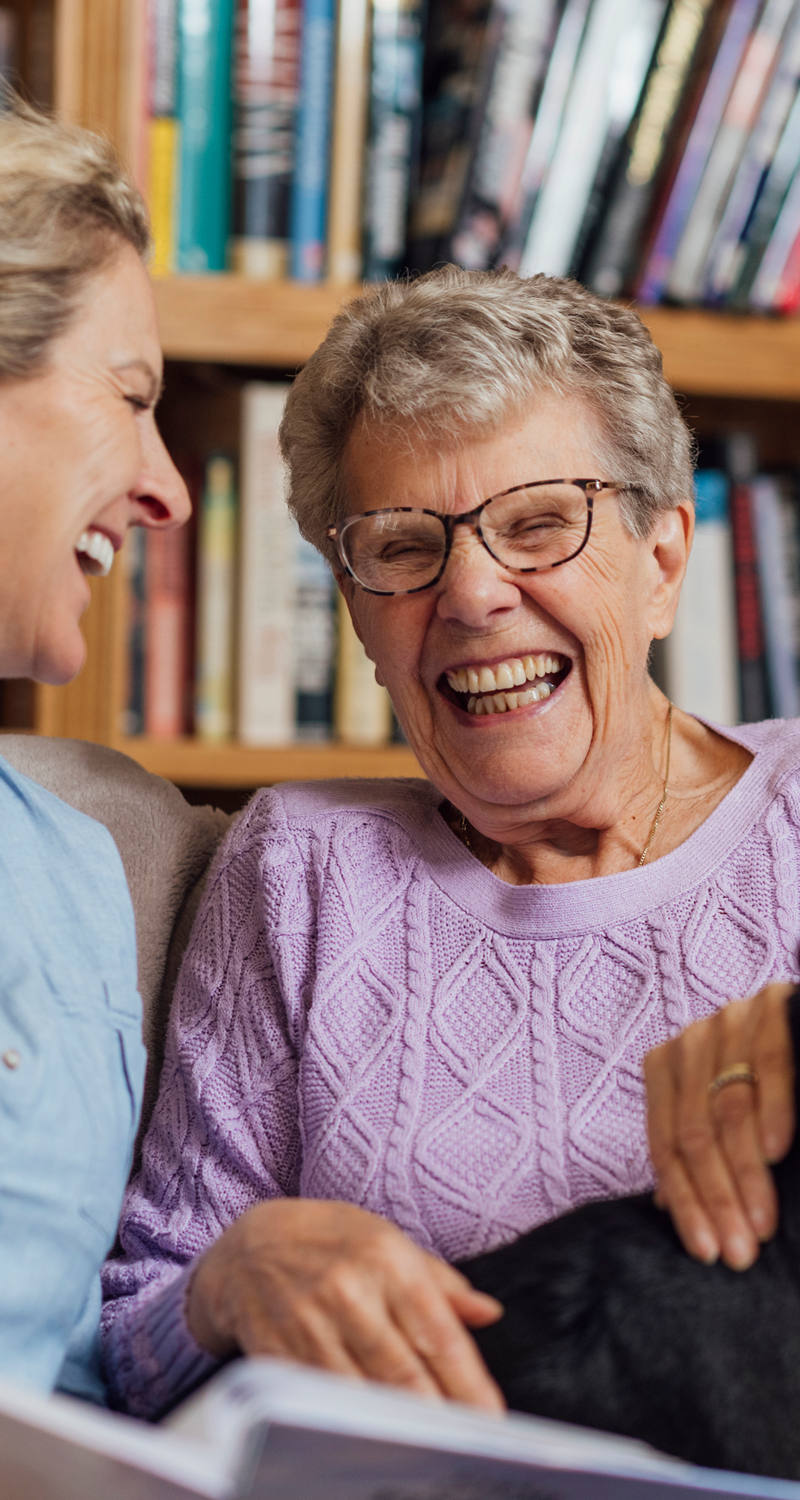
(739, 1253)
(761, 1220)
(707, 1248)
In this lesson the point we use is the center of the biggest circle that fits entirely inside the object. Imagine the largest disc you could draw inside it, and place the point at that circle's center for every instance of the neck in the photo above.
(619, 827)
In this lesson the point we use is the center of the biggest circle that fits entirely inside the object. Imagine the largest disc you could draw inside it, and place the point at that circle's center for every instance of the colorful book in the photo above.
(775, 533)
(760, 227)
(675, 210)
(738, 119)
(395, 102)
(754, 165)
(205, 34)
(308, 208)
(617, 44)
(313, 642)
(265, 594)
(456, 47)
(362, 712)
(217, 520)
(348, 141)
(519, 39)
(266, 81)
(546, 126)
(765, 292)
(614, 249)
(698, 658)
(162, 131)
(168, 667)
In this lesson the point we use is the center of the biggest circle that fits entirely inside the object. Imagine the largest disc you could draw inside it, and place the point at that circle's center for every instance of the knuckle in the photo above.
(696, 1137)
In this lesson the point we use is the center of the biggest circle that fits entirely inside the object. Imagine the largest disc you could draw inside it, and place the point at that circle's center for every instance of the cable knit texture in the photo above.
(366, 1013)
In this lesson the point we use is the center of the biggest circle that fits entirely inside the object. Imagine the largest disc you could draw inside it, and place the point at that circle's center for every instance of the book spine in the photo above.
(168, 633)
(216, 585)
(555, 224)
(652, 283)
(265, 92)
(609, 260)
(753, 170)
(205, 32)
(699, 658)
(775, 592)
(362, 708)
(685, 281)
(348, 141)
(520, 37)
(546, 126)
(395, 101)
(162, 132)
(308, 210)
(777, 250)
(787, 299)
(132, 720)
(265, 694)
(759, 228)
(753, 687)
(313, 642)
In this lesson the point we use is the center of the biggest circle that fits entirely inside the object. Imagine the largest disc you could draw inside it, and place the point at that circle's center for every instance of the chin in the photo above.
(56, 664)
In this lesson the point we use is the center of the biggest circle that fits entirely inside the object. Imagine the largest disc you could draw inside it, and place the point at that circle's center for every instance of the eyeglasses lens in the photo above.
(395, 551)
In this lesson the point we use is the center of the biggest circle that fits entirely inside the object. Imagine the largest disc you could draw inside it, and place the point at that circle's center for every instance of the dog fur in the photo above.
(610, 1323)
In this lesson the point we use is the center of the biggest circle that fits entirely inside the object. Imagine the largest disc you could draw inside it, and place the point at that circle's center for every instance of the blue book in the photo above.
(205, 37)
(308, 214)
(395, 108)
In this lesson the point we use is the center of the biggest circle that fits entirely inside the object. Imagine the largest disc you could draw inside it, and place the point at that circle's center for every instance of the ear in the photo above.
(670, 543)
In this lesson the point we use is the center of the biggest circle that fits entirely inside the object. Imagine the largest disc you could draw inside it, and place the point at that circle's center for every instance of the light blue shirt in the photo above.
(71, 1074)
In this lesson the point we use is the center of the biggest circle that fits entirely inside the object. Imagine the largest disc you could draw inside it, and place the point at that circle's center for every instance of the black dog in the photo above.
(609, 1323)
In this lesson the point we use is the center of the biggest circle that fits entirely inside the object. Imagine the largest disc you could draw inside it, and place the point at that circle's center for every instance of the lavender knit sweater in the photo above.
(366, 1013)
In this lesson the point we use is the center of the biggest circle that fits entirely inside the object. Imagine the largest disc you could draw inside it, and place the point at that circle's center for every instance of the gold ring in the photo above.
(740, 1072)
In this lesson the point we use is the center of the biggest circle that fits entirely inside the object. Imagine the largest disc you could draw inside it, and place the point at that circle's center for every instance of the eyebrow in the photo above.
(156, 384)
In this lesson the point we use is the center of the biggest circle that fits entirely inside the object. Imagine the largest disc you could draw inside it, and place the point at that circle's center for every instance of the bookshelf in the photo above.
(274, 326)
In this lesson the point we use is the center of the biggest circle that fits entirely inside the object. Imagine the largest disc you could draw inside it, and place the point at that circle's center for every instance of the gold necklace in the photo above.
(663, 798)
(461, 827)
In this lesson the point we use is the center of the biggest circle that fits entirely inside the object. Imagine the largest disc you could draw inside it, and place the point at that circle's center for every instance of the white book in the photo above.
(699, 657)
(265, 689)
(599, 83)
(265, 1430)
(774, 529)
(362, 710)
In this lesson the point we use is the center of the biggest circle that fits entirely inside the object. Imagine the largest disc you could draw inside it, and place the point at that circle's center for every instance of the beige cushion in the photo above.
(166, 845)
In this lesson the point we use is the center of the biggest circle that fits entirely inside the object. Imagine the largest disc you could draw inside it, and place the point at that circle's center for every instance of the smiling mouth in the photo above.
(515, 683)
(95, 553)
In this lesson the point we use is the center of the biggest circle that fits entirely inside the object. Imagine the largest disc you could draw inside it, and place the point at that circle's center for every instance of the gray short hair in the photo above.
(65, 207)
(455, 351)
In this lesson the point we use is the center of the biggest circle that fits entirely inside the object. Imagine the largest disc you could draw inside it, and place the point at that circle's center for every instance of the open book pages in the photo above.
(265, 1430)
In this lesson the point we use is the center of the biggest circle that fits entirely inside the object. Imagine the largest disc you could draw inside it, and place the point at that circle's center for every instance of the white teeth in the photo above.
(500, 703)
(506, 674)
(95, 552)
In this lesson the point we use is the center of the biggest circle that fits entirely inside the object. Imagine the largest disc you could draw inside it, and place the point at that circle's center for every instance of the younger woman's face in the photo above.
(82, 462)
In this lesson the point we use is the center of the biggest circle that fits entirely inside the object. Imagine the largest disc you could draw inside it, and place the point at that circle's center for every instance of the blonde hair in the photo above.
(65, 206)
(456, 352)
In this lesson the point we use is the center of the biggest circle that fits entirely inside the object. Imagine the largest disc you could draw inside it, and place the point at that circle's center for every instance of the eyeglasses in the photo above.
(529, 528)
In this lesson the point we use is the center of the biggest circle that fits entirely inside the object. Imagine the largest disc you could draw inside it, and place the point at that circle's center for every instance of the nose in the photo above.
(161, 496)
(474, 586)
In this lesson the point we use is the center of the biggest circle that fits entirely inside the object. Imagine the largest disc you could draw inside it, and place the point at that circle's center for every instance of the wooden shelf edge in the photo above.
(190, 762)
(229, 319)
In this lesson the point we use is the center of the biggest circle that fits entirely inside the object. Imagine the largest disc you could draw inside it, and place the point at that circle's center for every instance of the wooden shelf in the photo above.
(278, 324)
(191, 762)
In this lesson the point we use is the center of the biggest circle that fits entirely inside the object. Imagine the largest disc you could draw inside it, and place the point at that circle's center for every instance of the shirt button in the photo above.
(11, 1058)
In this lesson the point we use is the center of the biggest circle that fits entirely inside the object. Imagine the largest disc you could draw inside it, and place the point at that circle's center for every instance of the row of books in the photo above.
(734, 651)
(236, 629)
(644, 146)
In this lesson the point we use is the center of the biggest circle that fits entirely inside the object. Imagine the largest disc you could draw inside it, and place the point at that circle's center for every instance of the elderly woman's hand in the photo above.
(331, 1285)
(711, 1146)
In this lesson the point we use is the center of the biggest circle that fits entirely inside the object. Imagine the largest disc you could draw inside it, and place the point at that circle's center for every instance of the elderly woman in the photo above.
(412, 1020)
(80, 371)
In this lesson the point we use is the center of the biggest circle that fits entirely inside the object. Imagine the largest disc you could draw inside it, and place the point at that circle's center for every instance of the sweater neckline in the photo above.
(586, 905)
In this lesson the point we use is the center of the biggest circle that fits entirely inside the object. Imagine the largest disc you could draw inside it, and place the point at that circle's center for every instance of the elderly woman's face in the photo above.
(577, 634)
(82, 462)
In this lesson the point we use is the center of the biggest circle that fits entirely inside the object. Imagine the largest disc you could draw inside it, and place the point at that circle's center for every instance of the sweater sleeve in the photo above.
(224, 1133)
